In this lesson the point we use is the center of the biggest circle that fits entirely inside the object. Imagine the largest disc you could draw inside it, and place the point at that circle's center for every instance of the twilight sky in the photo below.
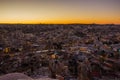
(60, 11)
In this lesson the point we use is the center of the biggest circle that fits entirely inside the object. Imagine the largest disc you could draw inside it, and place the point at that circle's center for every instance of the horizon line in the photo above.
(67, 23)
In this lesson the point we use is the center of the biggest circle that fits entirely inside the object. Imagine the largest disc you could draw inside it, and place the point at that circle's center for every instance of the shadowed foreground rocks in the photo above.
(15, 76)
(20, 76)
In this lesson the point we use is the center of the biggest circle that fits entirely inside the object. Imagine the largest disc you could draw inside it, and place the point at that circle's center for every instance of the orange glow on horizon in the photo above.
(61, 22)
(60, 11)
